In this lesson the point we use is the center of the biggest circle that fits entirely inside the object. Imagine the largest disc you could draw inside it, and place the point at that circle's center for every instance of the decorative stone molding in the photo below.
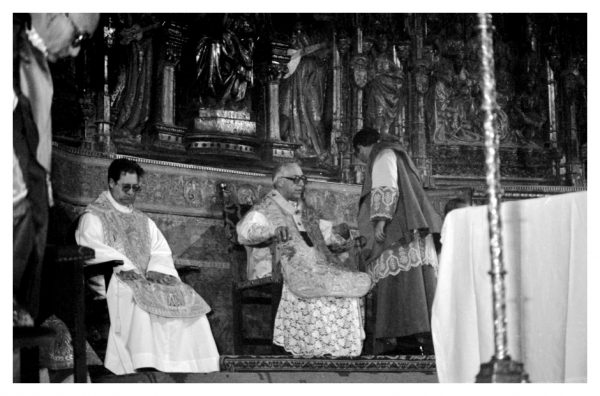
(169, 137)
(403, 363)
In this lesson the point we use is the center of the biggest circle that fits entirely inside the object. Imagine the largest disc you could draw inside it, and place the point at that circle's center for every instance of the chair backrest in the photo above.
(233, 212)
(104, 269)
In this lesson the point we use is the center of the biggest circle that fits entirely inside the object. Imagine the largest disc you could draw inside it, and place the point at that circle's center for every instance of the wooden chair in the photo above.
(28, 341)
(63, 294)
(265, 292)
(64, 291)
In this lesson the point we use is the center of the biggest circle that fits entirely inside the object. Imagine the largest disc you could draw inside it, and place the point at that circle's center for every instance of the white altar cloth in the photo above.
(545, 255)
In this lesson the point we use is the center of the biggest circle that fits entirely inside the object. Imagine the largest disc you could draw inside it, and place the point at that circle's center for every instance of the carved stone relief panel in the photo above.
(453, 101)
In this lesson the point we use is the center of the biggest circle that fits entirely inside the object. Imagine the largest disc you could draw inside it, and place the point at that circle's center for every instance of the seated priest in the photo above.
(319, 313)
(156, 320)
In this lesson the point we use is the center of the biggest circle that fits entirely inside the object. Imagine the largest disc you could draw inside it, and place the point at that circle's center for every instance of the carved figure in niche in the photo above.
(501, 123)
(452, 44)
(192, 192)
(472, 50)
(132, 95)
(246, 195)
(224, 65)
(384, 89)
(302, 96)
(503, 64)
(437, 109)
(530, 115)
(463, 106)
(359, 65)
(576, 96)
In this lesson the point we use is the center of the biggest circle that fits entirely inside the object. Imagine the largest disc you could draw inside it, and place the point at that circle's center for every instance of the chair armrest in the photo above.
(102, 268)
(275, 263)
(342, 247)
(268, 243)
(69, 253)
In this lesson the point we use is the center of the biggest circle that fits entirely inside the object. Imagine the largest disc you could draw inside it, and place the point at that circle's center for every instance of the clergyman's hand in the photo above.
(129, 275)
(282, 233)
(342, 230)
(161, 278)
(380, 231)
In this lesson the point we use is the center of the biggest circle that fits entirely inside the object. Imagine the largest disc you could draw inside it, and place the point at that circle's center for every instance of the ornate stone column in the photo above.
(344, 139)
(168, 135)
(359, 65)
(418, 140)
(574, 91)
(274, 149)
(97, 134)
(336, 132)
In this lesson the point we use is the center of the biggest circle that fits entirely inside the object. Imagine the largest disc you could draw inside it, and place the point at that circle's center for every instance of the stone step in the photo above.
(271, 369)
(392, 363)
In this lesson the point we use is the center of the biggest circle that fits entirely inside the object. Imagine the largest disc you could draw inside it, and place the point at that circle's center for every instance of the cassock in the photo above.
(404, 265)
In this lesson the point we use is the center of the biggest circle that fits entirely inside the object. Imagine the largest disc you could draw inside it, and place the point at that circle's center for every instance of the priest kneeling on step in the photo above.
(319, 313)
(156, 320)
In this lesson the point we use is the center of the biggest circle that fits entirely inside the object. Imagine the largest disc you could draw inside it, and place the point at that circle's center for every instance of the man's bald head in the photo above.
(63, 33)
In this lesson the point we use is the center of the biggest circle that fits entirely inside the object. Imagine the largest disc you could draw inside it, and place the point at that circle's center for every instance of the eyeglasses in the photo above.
(126, 187)
(297, 179)
(78, 36)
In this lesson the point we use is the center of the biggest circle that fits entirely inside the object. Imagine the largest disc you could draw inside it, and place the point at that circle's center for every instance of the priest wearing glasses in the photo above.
(156, 320)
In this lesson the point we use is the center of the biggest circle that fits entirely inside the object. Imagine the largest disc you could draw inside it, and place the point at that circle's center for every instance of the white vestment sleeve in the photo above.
(254, 228)
(161, 259)
(384, 190)
(89, 233)
(385, 171)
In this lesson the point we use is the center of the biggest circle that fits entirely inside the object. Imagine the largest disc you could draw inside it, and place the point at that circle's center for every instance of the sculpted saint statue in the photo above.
(224, 66)
(530, 115)
(132, 95)
(383, 91)
(302, 97)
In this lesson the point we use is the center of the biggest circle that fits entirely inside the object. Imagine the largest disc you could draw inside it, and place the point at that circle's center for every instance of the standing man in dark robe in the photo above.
(397, 220)
(37, 40)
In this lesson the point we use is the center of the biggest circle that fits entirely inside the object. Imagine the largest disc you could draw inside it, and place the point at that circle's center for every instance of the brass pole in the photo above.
(500, 368)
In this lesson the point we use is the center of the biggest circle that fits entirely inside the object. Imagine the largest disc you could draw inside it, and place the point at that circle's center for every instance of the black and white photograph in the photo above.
(256, 194)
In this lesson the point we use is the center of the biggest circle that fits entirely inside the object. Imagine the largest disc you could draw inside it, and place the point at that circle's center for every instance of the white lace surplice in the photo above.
(318, 326)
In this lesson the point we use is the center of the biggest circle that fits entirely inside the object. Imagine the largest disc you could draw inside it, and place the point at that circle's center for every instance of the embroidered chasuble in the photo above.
(151, 325)
(128, 233)
(125, 232)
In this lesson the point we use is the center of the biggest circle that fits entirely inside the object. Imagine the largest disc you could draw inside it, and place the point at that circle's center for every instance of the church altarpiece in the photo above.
(204, 99)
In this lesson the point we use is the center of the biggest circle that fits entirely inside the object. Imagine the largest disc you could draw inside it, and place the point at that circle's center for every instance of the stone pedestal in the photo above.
(104, 142)
(169, 138)
(502, 371)
(278, 151)
(223, 132)
(224, 121)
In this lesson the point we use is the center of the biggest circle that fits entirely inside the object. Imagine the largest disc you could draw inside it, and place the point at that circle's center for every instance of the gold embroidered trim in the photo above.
(383, 202)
